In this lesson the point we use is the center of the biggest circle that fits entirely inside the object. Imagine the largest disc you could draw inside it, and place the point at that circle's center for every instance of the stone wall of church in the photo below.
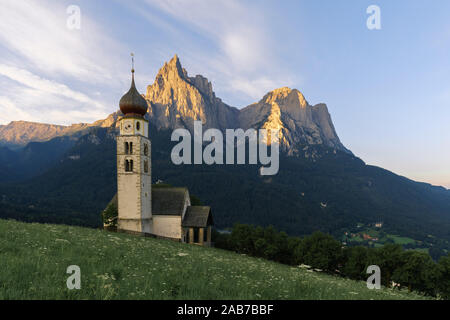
(134, 187)
(167, 226)
(146, 178)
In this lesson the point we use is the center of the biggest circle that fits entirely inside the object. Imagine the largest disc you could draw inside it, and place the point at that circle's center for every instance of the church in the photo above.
(144, 209)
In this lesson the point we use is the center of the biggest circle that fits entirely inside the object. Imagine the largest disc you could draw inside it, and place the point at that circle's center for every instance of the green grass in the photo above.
(401, 240)
(34, 258)
(381, 238)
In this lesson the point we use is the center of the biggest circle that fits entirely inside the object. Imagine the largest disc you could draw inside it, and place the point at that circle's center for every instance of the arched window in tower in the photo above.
(138, 126)
(131, 165)
(127, 166)
(145, 166)
(131, 147)
(145, 149)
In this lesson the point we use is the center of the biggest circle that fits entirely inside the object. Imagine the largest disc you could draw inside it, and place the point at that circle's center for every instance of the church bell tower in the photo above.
(134, 164)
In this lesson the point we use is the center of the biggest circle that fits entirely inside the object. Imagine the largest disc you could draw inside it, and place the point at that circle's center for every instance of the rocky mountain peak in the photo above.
(204, 86)
(172, 70)
(297, 122)
(286, 96)
(176, 100)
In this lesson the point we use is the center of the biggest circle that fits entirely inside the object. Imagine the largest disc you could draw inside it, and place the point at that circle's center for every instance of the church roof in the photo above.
(169, 201)
(172, 201)
(197, 216)
(132, 103)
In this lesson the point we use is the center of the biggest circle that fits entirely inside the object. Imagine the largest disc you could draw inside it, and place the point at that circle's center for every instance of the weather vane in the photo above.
(132, 62)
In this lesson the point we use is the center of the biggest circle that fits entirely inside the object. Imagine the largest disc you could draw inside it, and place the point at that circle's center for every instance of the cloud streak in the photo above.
(37, 34)
(33, 98)
(45, 86)
(241, 59)
(42, 61)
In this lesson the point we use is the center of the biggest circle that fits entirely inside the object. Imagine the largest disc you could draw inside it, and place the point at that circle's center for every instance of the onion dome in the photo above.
(132, 103)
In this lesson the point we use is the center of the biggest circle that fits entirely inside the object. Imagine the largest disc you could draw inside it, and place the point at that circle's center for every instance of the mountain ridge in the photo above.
(176, 100)
(20, 133)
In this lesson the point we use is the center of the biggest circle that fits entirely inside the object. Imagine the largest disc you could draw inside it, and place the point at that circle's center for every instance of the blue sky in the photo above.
(388, 90)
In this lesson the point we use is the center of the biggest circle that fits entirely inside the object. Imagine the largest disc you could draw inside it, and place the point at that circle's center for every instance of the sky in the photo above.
(387, 90)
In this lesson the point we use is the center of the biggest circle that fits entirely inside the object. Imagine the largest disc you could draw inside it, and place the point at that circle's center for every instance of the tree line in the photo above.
(411, 269)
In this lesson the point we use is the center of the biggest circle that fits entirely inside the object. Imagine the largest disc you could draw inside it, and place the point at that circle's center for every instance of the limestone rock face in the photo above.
(297, 122)
(176, 100)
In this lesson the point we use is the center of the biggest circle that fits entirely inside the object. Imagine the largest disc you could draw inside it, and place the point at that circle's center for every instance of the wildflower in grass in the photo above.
(62, 240)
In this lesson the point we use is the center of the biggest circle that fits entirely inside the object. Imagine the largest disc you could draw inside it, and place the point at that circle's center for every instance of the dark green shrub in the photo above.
(320, 251)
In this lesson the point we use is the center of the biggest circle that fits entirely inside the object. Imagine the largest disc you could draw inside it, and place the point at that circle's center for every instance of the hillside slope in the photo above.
(120, 266)
(19, 133)
(318, 189)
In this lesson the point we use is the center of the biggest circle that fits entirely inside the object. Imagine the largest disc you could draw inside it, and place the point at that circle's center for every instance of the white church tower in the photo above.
(134, 165)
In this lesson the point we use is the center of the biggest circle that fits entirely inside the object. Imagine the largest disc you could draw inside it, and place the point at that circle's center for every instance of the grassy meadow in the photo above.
(34, 258)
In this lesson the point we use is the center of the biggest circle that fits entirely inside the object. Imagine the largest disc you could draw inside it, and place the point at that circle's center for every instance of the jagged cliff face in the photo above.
(175, 100)
(297, 122)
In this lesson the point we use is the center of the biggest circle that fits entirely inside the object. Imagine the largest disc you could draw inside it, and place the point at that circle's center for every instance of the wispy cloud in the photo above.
(33, 98)
(240, 58)
(36, 33)
(11, 112)
(43, 59)
(45, 86)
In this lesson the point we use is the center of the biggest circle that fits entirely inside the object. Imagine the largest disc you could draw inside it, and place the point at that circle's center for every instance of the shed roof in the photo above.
(198, 216)
(169, 201)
